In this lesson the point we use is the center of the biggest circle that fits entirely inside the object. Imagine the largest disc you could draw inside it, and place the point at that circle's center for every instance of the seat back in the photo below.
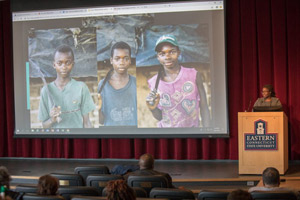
(148, 182)
(41, 197)
(171, 193)
(79, 197)
(276, 195)
(26, 188)
(100, 181)
(66, 192)
(139, 192)
(68, 179)
(85, 171)
(212, 195)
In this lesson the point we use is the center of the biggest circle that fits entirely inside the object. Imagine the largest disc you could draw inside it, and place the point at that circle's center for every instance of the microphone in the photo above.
(249, 105)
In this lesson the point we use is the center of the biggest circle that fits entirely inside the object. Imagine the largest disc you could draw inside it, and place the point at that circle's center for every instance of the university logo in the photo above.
(261, 139)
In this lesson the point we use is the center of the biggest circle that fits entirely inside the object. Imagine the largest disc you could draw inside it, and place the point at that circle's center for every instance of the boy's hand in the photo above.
(99, 101)
(152, 99)
(55, 113)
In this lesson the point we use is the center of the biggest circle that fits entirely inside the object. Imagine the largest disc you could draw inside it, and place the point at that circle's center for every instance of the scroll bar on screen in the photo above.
(27, 86)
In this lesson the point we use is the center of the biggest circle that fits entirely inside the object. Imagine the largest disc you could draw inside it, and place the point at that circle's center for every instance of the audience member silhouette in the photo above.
(239, 195)
(146, 164)
(6, 193)
(271, 182)
(47, 185)
(119, 190)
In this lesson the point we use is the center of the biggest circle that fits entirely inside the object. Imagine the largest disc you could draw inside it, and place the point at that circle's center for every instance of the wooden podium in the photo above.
(263, 141)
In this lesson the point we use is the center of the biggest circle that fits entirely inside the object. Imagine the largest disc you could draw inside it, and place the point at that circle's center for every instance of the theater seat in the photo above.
(212, 195)
(41, 197)
(88, 170)
(78, 197)
(68, 179)
(66, 192)
(148, 182)
(26, 188)
(100, 181)
(171, 193)
(274, 195)
(139, 192)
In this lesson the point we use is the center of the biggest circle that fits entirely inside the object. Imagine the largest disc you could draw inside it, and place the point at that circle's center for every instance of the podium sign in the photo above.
(263, 142)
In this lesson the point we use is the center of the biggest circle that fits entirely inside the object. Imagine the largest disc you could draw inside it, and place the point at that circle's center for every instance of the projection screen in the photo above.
(68, 80)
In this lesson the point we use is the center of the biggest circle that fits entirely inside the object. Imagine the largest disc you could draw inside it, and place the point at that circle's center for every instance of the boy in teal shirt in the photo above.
(65, 103)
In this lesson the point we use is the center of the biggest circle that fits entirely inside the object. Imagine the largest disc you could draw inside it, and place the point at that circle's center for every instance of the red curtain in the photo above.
(263, 46)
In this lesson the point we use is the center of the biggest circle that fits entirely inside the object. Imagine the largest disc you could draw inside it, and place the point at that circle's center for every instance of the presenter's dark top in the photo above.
(268, 105)
(262, 102)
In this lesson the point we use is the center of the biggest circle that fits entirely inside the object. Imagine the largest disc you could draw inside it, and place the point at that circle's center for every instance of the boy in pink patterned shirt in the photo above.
(177, 93)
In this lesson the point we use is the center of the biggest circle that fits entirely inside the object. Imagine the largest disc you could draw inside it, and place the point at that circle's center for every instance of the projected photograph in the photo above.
(121, 71)
(173, 77)
(63, 81)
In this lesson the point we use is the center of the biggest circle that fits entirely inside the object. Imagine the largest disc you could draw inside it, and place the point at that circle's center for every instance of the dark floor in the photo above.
(195, 175)
(187, 169)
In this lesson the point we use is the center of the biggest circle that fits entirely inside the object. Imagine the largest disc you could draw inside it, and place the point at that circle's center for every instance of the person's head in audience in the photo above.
(47, 185)
(146, 161)
(271, 177)
(4, 177)
(6, 198)
(119, 190)
(239, 195)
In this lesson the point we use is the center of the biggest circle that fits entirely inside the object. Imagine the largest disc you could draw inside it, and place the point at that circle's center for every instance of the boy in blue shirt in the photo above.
(65, 103)
(117, 90)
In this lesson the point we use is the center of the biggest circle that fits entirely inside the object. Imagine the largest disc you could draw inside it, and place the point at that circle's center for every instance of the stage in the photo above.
(192, 174)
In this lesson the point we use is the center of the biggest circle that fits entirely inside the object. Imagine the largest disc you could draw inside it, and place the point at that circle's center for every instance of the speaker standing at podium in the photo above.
(268, 102)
